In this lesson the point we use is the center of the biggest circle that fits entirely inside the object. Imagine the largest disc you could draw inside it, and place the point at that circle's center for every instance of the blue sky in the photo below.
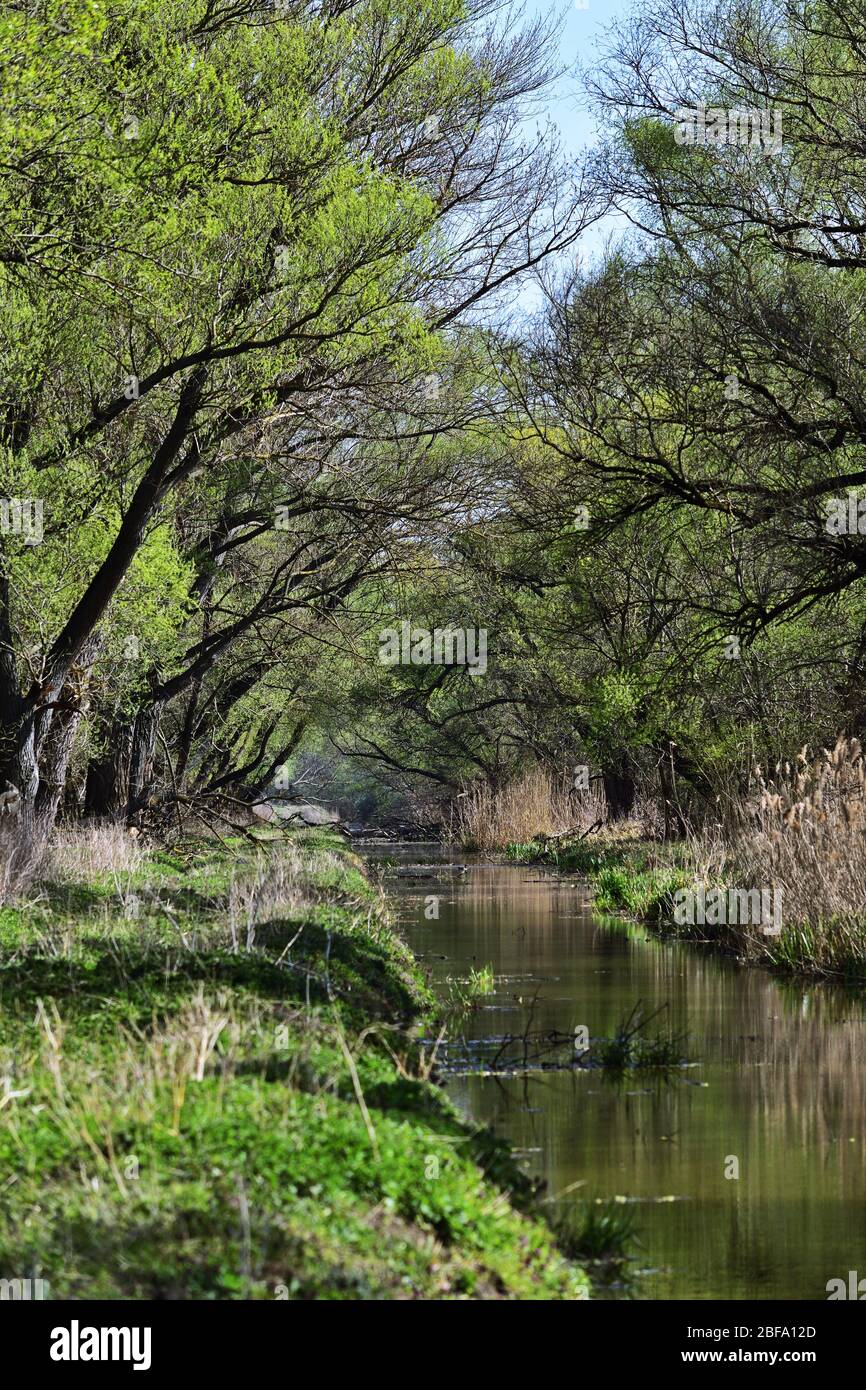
(580, 40)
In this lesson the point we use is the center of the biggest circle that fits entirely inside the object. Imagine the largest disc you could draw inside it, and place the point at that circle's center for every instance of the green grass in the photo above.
(464, 994)
(521, 853)
(181, 1117)
(626, 875)
(645, 893)
(600, 1234)
(640, 878)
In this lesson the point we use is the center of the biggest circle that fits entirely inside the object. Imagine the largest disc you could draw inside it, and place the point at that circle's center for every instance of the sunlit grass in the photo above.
(210, 1087)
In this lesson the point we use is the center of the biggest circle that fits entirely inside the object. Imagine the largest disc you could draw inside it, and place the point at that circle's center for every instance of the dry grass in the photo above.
(807, 837)
(533, 804)
(275, 886)
(286, 883)
(808, 834)
(803, 834)
(83, 852)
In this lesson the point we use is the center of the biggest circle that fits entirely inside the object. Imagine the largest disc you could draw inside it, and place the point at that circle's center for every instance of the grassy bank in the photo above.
(640, 878)
(209, 1089)
(627, 874)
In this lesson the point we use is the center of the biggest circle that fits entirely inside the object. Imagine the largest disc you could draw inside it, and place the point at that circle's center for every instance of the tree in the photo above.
(225, 228)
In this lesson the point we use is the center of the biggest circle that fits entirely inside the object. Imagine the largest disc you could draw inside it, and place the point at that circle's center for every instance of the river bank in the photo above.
(645, 880)
(209, 1088)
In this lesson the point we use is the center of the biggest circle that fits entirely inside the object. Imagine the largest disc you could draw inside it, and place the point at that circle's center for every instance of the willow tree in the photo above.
(714, 365)
(220, 221)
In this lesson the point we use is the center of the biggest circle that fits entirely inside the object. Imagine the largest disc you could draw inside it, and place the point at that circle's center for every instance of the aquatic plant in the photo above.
(465, 993)
(632, 1047)
(600, 1231)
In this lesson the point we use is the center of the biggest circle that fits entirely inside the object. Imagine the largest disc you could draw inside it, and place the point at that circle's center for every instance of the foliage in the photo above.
(191, 1119)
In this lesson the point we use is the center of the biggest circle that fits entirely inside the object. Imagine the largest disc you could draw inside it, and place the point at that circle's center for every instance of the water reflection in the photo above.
(780, 1085)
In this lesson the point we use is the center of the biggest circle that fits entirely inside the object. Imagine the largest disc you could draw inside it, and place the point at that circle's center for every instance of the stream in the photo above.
(777, 1080)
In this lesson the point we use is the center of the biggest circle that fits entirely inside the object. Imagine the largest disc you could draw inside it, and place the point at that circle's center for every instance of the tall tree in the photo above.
(220, 224)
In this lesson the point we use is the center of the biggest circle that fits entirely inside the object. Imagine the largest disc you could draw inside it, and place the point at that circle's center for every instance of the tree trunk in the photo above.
(105, 793)
(37, 770)
(675, 826)
(18, 848)
(617, 777)
(141, 754)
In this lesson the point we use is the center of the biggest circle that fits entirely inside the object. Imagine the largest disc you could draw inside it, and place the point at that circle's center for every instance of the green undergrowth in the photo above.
(629, 876)
(210, 1087)
(640, 879)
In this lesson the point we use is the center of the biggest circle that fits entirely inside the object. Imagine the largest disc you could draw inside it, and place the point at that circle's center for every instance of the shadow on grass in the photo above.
(321, 967)
(74, 899)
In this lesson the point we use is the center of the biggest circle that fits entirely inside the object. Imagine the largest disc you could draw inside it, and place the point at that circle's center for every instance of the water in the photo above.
(779, 1084)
